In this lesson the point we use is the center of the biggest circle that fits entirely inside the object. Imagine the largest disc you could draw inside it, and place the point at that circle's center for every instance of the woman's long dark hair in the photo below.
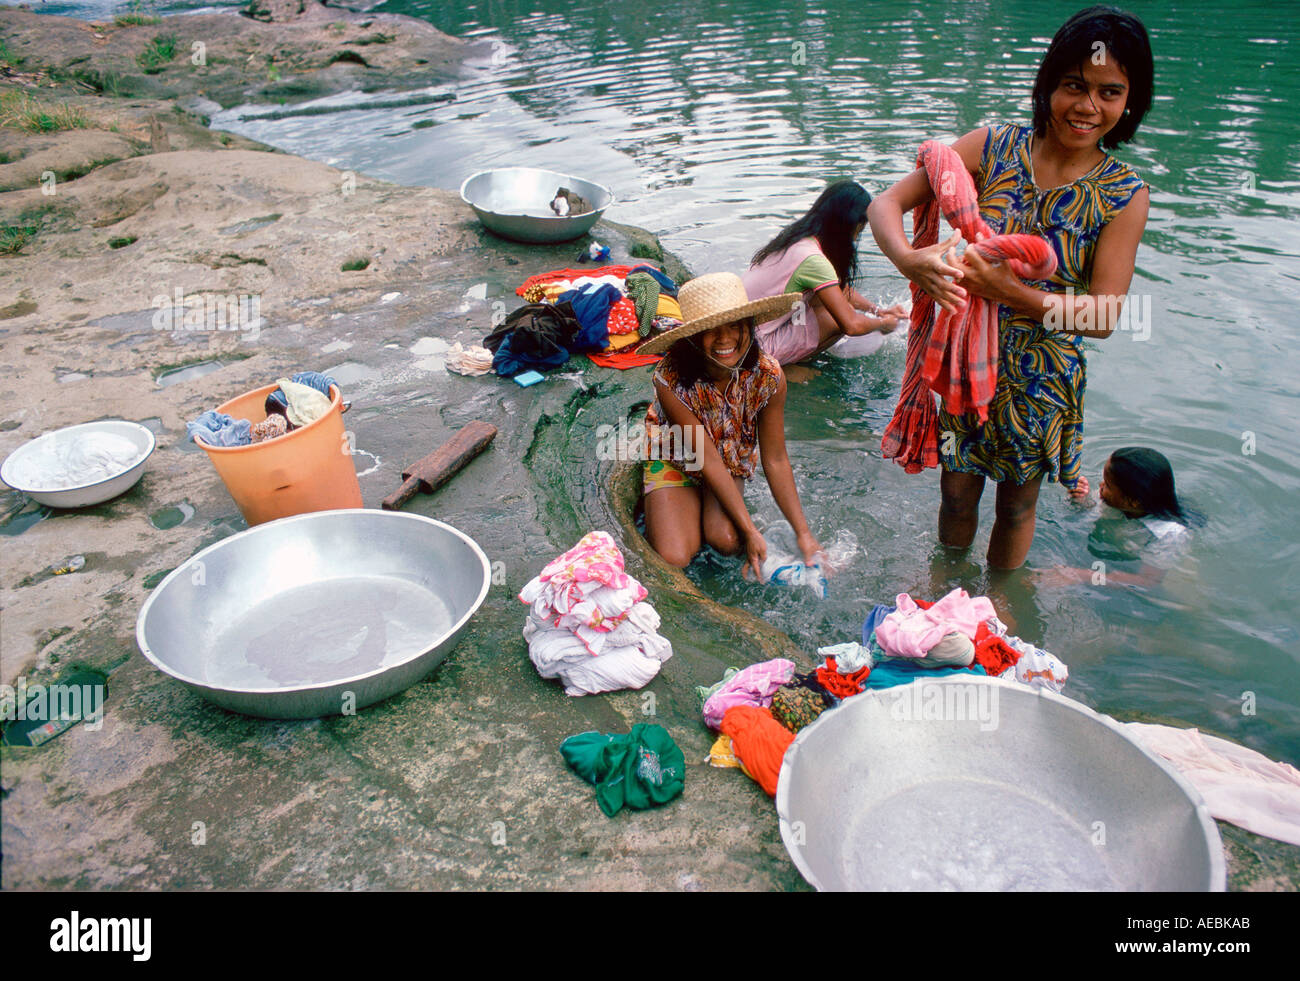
(832, 220)
(1144, 475)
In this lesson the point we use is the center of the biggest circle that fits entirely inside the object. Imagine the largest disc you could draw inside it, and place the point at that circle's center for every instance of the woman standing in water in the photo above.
(1053, 178)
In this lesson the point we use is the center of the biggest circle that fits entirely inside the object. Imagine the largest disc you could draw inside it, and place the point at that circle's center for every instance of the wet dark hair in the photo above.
(1125, 39)
(832, 220)
(1144, 475)
(692, 366)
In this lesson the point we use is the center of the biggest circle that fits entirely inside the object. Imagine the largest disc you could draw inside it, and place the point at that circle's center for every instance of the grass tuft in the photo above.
(20, 111)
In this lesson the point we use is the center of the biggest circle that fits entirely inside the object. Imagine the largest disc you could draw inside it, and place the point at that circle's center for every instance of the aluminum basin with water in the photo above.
(980, 784)
(515, 203)
(315, 614)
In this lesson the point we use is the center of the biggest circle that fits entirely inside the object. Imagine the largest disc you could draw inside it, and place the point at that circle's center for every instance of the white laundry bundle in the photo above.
(588, 624)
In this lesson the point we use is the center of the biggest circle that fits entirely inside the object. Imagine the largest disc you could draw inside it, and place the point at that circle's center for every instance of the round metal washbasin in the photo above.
(976, 784)
(515, 203)
(316, 614)
(27, 468)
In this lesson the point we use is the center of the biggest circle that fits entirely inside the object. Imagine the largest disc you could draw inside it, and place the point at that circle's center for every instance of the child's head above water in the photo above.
(1139, 481)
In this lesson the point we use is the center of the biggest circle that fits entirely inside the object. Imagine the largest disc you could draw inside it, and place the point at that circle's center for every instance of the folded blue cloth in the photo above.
(315, 379)
(218, 429)
(506, 363)
(591, 307)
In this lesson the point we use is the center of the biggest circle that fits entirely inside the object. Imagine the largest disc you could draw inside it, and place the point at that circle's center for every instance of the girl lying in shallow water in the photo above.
(719, 406)
(1139, 518)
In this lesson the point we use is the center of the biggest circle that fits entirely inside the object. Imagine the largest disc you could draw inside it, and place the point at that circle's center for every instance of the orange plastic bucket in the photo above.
(309, 469)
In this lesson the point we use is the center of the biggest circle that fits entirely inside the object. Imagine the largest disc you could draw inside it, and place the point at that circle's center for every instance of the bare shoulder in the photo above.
(970, 147)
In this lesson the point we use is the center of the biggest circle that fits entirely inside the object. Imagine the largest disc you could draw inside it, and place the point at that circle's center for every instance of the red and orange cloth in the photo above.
(758, 742)
(841, 685)
(953, 354)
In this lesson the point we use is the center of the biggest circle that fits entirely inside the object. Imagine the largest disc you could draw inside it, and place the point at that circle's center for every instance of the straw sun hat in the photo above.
(712, 300)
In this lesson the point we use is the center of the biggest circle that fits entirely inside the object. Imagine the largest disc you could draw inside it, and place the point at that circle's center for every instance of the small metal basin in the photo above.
(44, 450)
(977, 784)
(515, 203)
(317, 614)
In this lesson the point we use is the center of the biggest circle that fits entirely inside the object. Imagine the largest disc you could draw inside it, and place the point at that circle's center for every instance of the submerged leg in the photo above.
(959, 510)
(1013, 529)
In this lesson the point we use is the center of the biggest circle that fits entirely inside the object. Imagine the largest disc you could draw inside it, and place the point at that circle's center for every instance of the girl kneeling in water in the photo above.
(818, 256)
(720, 404)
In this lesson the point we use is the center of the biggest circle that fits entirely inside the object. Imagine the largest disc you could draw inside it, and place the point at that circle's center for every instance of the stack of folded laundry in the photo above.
(589, 625)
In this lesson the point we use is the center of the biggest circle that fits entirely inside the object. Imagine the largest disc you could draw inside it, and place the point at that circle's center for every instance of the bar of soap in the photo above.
(527, 378)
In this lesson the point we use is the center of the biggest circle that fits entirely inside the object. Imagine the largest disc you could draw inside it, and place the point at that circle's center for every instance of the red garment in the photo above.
(758, 741)
(841, 685)
(622, 317)
(993, 653)
(556, 275)
(624, 360)
(955, 355)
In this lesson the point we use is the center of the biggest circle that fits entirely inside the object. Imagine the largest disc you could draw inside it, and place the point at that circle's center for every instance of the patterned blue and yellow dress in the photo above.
(1035, 423)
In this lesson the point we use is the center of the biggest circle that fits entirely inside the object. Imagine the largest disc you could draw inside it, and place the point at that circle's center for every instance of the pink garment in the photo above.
(585, 590)
(911, 631)
(792, 336)
(754, 685)
(1239, 785)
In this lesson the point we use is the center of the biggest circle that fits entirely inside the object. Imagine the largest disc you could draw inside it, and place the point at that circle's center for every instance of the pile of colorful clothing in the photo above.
(589, 625)
(298, 401)
(957, 633)
(605, 313)
(759, 710)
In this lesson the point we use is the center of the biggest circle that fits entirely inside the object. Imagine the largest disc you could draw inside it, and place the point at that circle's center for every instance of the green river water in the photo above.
(717, 122)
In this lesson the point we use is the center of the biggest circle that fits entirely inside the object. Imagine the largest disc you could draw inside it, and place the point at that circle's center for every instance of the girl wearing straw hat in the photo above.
(720, 405)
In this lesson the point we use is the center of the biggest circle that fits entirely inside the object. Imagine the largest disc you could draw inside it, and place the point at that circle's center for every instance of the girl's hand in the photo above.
(931, 270)
(884, 323)
(810, 548)
(756, 552)
(1081, 490)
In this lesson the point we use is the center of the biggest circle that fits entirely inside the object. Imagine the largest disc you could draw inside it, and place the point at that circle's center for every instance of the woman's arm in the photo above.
(779, 474)
(715, 473)
(928, 268)
(1092, 314)
(851, 322)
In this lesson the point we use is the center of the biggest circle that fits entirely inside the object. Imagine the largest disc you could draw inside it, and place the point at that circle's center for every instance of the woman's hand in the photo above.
(932, 270)
(756, 555)
(810, 548)
(993, 281)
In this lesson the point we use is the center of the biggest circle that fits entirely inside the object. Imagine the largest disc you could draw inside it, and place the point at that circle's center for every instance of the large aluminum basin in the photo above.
(979, 784)
(316, 614)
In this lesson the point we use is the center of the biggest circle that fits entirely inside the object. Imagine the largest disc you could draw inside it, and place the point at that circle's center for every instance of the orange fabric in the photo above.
(624, 360)
(759, 742)
(557, 274)
(841, 685)
(993, 653)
